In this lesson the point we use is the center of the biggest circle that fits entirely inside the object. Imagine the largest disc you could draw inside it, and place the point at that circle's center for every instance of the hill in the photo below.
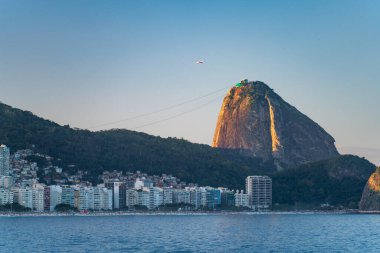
(370, 200)
(338, 181)
(256, 119)
(127, 151)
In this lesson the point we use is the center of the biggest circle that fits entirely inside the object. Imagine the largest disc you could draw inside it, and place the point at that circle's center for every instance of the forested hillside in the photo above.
(337, 181)
(127, 151)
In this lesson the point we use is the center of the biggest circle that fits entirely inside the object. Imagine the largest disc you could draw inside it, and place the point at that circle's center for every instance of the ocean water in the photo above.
(193, 233)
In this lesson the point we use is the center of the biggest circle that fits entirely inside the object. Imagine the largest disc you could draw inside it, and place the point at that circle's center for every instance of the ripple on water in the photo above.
(214, 233)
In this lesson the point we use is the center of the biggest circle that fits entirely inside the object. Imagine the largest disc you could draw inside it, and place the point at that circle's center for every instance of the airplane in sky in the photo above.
(199, 62)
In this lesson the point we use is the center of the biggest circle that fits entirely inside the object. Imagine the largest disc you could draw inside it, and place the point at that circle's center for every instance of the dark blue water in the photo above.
(212, 233)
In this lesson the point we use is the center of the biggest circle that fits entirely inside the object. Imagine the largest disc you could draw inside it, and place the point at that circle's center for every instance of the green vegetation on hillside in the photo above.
(126, 151)
(337, 181)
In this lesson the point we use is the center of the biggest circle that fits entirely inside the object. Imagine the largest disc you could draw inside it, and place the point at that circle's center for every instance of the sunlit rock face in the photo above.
(370, 200)
(255, 119)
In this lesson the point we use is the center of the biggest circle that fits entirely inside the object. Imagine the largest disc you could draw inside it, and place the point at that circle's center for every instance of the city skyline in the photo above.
(129, 191)
(88, 63)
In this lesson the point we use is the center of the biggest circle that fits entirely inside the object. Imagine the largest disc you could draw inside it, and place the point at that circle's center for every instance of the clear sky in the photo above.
(86, 63)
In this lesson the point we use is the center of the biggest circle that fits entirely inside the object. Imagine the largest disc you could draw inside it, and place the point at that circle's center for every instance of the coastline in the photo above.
(107, 214)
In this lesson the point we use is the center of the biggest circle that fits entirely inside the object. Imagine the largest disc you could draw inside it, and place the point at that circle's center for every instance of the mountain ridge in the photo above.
(125, 150)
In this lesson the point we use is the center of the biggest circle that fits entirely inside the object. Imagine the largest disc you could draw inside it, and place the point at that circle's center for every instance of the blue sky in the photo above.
(86, 63)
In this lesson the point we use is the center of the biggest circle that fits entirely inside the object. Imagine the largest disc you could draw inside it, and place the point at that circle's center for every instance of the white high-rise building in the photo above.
(6, 196)
(131, 198)
(23, 196)
(168, 195)
(147, 197)
(55, 196)
(98, 198)
(108, 200)
(38, 197)
(195, 197)
(151, 197)
(181, 196)
(259, 189)
(102, 198)
(4, 160)
(158, 198)
(241, 199)
(203, 196)
(86, 198)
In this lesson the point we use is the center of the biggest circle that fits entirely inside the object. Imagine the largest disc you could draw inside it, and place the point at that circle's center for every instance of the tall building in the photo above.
(55, 196)
(47, 198)
(102, 198)
(6, 196)
(86, 198)
(181, 196)
(23, 196)
(147, 197)
(259, 189)
(213, 198)
(196, 197)
(6, 181)
(4, 160)
(131, 198)
(107, 199)
(68, 197)
(98, 198)
(158, 196)
(228, 198)
(38, 197)
(151, 197)
(241, 199)
(203, 196)
(119, 190)
(168, 195)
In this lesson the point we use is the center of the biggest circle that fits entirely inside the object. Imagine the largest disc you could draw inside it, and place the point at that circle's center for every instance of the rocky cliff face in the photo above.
(255, 119)
(370, 200)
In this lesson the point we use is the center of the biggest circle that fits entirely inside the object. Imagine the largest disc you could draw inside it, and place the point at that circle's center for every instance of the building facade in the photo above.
(228, 198)
(55, 196)
(23, 196)
(47, 198)
(102, 198)
(4, 160)
(168, 195)
(68, 195)
(6, 196)
(38, 197)
(181, 196)
(213, 198)
(131, 198)
(259, 189)
(86, 198)
(241, 199)
(119, 190)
